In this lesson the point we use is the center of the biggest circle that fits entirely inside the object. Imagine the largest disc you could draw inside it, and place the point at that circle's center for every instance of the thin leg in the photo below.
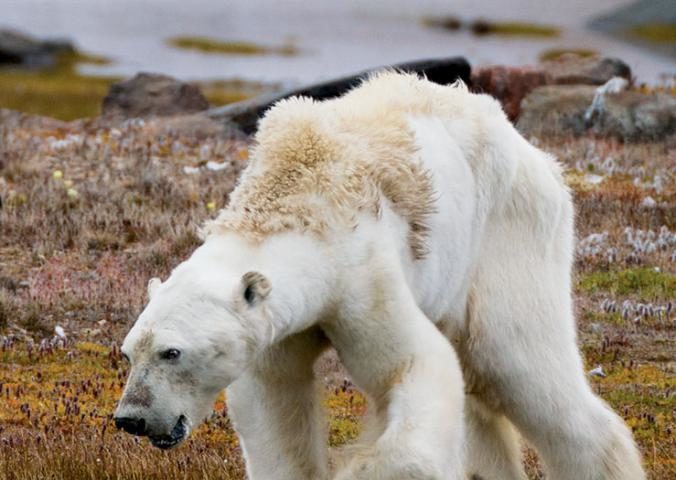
(493, 450)
(413, 378)
(276, 410)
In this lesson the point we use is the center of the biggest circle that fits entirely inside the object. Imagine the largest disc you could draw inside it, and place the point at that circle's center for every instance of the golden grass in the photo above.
(55, 421)
(234, 47)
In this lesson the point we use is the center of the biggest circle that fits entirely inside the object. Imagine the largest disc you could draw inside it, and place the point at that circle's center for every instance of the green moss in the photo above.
(516, 29)
(60, 91)
(214, 46)
(221, 92)
(556, 53)
(647, 283)
(655, 32)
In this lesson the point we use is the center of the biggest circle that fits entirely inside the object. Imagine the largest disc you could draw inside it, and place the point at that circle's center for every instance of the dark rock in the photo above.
(571, 69)
(20, 49)
(555, 109)
(634, 115)
(148, 95)
(509, 84)
(245, 114)
(627, 115)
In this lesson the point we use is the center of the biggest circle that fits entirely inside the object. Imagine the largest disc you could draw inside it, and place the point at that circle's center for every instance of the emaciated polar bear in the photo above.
(411, 227)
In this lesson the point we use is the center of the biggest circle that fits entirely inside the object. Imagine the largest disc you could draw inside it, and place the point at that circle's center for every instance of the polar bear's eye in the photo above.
(170, 354)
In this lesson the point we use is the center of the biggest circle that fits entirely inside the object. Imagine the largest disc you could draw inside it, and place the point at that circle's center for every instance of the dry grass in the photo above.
(81, 261)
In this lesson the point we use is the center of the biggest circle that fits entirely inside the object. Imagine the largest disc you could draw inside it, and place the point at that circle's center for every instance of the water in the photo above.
(336, 38)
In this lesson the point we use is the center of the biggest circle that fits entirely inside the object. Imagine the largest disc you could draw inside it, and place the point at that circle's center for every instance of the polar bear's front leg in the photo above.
(412, 375)
(275, 408)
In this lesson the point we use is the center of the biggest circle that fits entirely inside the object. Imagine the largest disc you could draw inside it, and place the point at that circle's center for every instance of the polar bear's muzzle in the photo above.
(177, 435)
(138, 427)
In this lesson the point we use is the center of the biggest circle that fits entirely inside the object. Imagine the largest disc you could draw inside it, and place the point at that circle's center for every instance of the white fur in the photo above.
(495, 282)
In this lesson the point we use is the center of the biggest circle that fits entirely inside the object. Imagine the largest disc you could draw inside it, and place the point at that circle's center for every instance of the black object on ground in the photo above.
(244, 115)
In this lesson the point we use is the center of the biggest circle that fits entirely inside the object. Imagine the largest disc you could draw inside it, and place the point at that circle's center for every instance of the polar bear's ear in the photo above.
(255, 287)
(153, 285)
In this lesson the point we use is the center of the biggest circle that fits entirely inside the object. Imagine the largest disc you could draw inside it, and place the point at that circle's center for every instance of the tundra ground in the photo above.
(89, 213)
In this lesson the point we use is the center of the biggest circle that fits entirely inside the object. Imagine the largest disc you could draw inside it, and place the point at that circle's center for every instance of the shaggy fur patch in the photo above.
(316, 165)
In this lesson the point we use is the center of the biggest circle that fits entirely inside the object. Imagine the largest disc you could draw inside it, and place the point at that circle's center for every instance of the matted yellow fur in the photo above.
(316, 165)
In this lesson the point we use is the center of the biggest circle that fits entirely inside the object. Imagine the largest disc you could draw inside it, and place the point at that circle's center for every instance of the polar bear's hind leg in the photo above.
(521, 338)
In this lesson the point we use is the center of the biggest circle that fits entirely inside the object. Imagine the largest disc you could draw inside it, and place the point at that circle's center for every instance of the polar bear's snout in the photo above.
(138, 427)
(143, 412)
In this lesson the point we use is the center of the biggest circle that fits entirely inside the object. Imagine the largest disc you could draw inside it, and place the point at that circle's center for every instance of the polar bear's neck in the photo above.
(302, 281)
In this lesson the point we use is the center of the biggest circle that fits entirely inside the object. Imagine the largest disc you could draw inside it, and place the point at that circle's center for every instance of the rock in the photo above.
(20, 49)
(573, 69)
(149, 95)
(555, 109)
(509, 84)
(638, 116)
(245, 114)
(628, 115)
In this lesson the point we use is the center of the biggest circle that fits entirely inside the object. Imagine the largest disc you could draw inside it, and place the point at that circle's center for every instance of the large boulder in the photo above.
(571, 69)
(151, 95)
(20, 49)
(628, 115)
(509, 84)
(555, 109)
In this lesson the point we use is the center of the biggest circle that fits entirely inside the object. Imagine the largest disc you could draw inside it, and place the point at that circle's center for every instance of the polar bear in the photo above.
(408, 225)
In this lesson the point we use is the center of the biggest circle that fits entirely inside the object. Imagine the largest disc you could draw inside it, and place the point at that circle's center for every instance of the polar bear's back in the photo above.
(317, 165)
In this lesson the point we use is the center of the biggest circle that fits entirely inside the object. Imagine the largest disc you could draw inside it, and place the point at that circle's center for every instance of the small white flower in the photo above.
(191, 170)
(597, 372)
(648, 202)
(60, 331)
(215, 166)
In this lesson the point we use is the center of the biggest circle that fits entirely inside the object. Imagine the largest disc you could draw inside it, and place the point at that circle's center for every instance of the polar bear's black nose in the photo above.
(135, 426)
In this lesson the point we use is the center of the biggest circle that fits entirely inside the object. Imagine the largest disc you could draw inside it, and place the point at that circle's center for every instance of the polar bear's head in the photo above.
(197, 334)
